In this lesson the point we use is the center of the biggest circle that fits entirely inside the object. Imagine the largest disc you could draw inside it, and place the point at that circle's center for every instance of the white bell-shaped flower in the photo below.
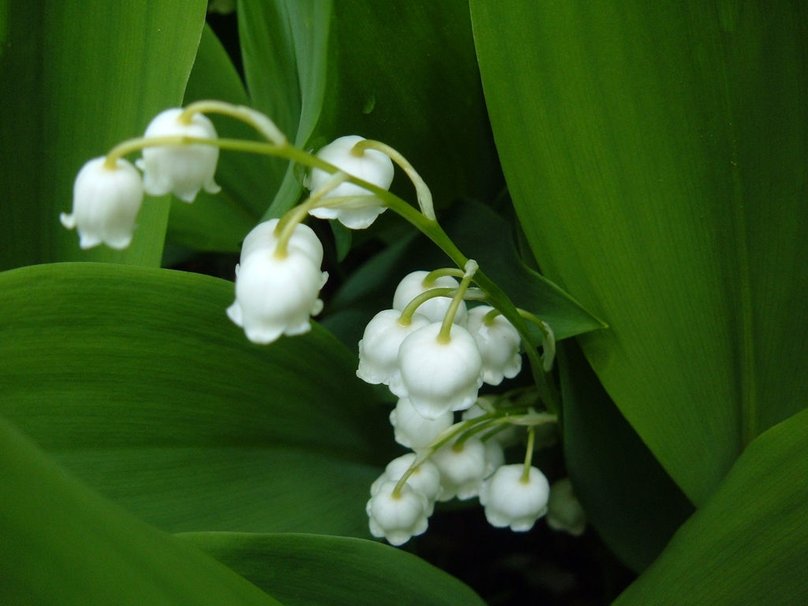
(463, 467)
(435, 309)
(180, 169)
(277, 295)
(371, 165)
(425, 479)
(511, 500)
(438, 377)
(412, 429)
(499, 343)
(378, 348)
(105, 204)
(263, 237)
(397, 517)
(564, 510)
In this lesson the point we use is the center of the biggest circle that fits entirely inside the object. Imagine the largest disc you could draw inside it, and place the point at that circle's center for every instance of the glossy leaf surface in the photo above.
(313, 570)
(749, 543)
(137, 381)
(63, 544)
(656, 157)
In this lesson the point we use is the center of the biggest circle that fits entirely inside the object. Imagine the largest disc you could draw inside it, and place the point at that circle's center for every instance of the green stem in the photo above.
(548, 338)
(260, 122)
(422, 192)
(454, 272)
(531, 438)
(411, 307)
(429, 227)
(286, 226)
(445, 334)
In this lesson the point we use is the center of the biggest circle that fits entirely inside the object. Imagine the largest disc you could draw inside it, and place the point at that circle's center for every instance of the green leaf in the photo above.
(78, 78)
(627, 496)
(218, 222)
(311, 570)
(63, 544)
(136, 380)
(405, 73)
(322, 70)
(655, 153)
(284, 44)
(749, 543)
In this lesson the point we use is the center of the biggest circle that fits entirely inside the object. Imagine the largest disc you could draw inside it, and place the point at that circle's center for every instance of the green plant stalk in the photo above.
(429, 227)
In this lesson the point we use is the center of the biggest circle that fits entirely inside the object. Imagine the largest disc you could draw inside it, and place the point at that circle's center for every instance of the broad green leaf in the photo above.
(78, 78)
(63, 544)
(136, 380)
(483, 235)
(312, 570)
(628, 497)
(284, 44)
(655, 153)
(220, 221)
(749, 543)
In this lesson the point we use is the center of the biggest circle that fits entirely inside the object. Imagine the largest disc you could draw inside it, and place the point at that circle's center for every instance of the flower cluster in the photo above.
(108, 191)
(434, 353)
(464, 460)
(436, 346)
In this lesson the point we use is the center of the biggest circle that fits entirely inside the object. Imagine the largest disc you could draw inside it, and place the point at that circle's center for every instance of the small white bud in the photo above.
(412, 429)
(435, 309)
(511, 500)
(564, 511)
(438, 377)
(397, 517)
(378, 348)
(371, 165)
(105, 204)
(499, 343)
(180, 169)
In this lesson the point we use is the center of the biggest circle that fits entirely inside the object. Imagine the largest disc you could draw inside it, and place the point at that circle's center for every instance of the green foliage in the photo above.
(655, 155)
(135, 380)
(656, 158)
(78, 78)
(312, 570)
(63, 544)
(749, 543)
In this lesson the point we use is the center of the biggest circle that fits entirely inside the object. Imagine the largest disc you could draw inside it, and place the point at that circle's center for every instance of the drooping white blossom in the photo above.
(499, 343)
(425, 479)
(106, 201)
(463, 467)
(397, 517)
(435, 309)
(180, 169)
(277, 295)
(510, 500)
(438, 376)
(412, 429)
(263, 237)
(380, 343)
(373, 166)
